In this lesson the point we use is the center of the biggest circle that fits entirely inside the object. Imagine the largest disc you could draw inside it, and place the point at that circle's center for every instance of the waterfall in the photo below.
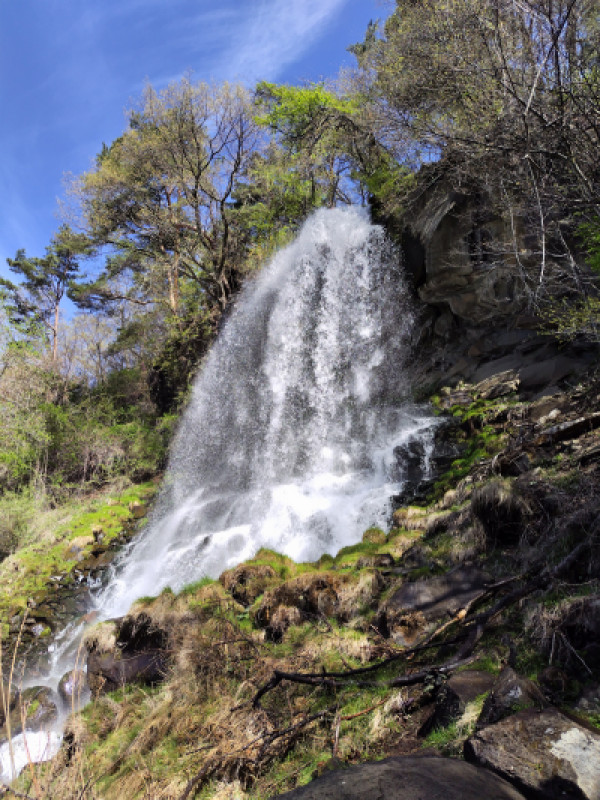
(288, 440)
(293, 435)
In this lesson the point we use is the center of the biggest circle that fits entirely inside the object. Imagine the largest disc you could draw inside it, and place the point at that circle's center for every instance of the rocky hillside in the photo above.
(460, 646)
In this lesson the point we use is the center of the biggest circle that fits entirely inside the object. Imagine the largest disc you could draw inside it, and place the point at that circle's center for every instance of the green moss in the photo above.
(193, 588)
(29, 572)
(485, 663)
(482, 440)
(441, 738)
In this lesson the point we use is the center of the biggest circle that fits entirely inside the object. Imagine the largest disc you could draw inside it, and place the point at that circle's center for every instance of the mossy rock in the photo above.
(374, 536)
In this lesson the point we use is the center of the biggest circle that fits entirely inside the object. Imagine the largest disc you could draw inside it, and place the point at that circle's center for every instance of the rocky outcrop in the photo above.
(34, 709)
(510, 693)
(248, 581)
(414, 606)
(547, 755)
(407, 779)
(72, 688)
(455, 249)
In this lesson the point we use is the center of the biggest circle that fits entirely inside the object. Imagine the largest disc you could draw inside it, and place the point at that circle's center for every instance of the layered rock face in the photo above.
(471, 257)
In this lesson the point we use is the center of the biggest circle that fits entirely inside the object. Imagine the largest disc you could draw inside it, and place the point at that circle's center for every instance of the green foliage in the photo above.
(589, 234)
(17, 510)
(53, 541)
(293, 110)
(570, 319)
(175, 365)
(44, 281)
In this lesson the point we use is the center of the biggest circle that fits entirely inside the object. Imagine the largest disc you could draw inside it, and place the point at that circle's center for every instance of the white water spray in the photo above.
(288, 441)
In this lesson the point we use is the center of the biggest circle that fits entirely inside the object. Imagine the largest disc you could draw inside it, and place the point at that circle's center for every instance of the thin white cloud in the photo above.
(273, 35)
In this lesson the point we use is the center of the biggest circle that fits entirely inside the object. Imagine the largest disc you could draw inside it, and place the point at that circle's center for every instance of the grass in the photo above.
(61, 540)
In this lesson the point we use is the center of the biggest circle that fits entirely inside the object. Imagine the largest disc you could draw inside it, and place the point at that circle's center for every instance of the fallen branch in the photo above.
(476, 625)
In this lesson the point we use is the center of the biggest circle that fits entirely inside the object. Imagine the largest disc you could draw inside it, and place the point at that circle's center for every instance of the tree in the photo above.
(161, 198)
(326, 150)
(503, 95)
(36, 300)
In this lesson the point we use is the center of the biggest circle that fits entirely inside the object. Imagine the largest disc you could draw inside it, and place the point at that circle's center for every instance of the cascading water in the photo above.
(291, 437)
(288, 441)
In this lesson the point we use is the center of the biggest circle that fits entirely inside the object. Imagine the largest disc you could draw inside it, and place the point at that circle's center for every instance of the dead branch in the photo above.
(474, 625)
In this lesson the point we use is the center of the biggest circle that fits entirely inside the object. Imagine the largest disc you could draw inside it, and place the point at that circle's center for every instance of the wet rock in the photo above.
(248, 581)
(129, 650)
(407, 778)
(454, 695)
(41, 707)
(545, 754)
(509, 694)
(410, 609)
(109, 671)
(72, 688)
(37, 706)
(411, 467)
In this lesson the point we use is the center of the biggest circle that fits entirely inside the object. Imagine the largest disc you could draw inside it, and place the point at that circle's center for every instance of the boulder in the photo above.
(248, 581)
(41, 707)
(109, 671)
(454, 695)
(37, 706)
(410, 609)
(509, 694)
(72, 688)
(407, 778)
(571, 429)
(546, 754)
(411, 467)
(132, 649)
(547, 372)
(498, 385)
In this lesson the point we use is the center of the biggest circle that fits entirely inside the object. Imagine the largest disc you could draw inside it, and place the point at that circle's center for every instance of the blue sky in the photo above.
(70, 68)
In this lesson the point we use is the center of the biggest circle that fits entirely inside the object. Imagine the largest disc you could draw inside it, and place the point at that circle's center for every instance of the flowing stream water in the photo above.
(294, 433)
